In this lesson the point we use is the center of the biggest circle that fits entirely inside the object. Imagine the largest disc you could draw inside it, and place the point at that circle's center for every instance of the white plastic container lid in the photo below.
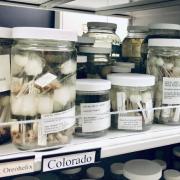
(165, 26)
(125, 64)
(162, 163)
(43, 34)
(141, 169)
(81, 59)
(131, 80)
(95, 172)
(91, 85)
(171, 174)
(5, 32)
(117, 69)
(117, 168)
(72, 171)
(164, 42)
(176, 151)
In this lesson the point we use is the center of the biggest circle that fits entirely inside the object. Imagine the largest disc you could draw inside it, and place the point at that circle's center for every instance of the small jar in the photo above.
(71, 174)
(160, 30)
(95, 173)
(105, 35)
(81, 67)
(132, 92)
(43, 87)
(117, 171)
(171, 174)
(131, 46)
(141, 169)
(5, 50)
(98, 61)
(164, 64)
(176, 158)
(93, 107)
(123, 67)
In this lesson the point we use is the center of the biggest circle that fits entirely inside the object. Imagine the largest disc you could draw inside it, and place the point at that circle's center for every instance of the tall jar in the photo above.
(131, 46)
(160, 30)
(98, 61)
(5, 48)
(132, 92)
(92, 107)
(164, 63)
(43, 87)
(105, 36)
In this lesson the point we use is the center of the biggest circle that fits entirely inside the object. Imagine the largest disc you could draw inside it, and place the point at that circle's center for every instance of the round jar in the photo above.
(95, 173)
(5, 50)
(164, 63)
(43, 86)
(117, 171)
(105, 35)
(160, 30)
(92, 107)
(171, 174)
(162, 163)
(98, 61)
(71, 174)
(131, 46)
(141, 169)
(132, 92)
(123, 67)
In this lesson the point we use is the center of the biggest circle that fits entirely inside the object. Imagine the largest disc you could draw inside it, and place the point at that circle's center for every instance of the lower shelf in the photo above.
(114, 143)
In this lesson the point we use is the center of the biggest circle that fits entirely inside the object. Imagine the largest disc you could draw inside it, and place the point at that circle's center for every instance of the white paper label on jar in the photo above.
(45, 79)
(17, 167)
(55, 122)
(4, 73)
(96, 116)
(171, 91)
(130, 122)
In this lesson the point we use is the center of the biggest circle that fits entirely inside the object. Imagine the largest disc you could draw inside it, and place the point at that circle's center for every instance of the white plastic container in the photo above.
(95, 173)
(132, 92)
(171, 174)
(93, 107)
(117, 171)
(162, 163)
(141, 169)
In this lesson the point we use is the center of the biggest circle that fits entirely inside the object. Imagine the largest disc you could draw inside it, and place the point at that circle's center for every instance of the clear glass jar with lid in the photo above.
(132, 92)
(164, 63)
(131, 46)
(92, 107)
(160, 30)
(104, 34)
(43, 87)
(141, 169)
(98, 61)
(171, 174)
(5, 50)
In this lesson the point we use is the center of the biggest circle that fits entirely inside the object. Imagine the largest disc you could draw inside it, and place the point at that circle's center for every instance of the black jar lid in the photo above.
(102, 25)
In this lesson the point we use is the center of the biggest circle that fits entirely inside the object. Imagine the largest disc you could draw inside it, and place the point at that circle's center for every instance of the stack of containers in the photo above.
(5, 48)
(43, 87)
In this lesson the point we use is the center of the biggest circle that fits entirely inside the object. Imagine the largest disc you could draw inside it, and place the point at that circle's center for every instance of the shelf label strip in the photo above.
(12, 167)
(70, 160)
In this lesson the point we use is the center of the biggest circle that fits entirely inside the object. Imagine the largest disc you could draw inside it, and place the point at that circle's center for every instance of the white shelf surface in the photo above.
(114, 143)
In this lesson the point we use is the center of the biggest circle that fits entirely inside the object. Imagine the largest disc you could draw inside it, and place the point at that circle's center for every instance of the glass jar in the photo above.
(95, 173)
(92, 107)
(171, 174)
(5, 50)
(105, 35)
(131, 46)
(43, 87)
(160, 30)
(141, 169)
(132, 92)
(164, 63)
(98, 61)
(81, 67)
(117, 171)
(123, 67)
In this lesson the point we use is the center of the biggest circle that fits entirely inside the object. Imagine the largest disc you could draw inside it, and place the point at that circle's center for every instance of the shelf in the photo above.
(114, 143)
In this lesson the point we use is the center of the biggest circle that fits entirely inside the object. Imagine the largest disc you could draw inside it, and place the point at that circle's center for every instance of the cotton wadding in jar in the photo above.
(68, 67)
